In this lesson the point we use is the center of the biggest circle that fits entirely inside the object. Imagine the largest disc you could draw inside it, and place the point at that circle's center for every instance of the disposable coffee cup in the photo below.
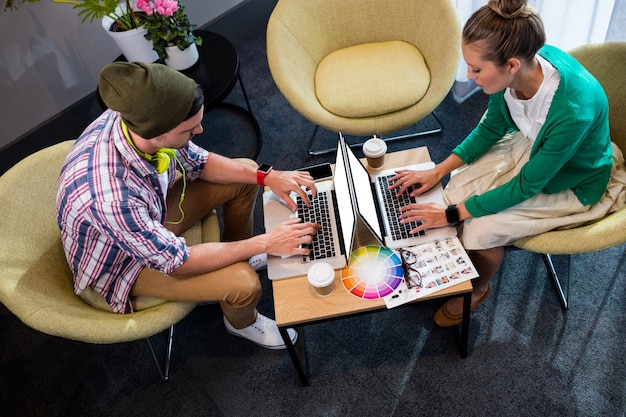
(374, 150)
(322, 279)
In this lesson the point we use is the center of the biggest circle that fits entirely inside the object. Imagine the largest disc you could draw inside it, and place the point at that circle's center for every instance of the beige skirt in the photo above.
(536, 215)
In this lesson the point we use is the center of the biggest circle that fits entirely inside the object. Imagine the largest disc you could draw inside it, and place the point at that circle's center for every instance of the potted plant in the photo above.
(126, 25)
(171, 32)
(123, 14)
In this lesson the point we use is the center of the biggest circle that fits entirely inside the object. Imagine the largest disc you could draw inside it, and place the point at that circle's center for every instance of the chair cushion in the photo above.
(371, 79)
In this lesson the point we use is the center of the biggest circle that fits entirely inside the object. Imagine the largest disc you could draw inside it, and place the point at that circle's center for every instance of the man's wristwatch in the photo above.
(261, 172)
(452, 215)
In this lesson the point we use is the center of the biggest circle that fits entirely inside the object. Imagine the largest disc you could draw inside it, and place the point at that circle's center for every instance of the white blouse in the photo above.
(530, 115)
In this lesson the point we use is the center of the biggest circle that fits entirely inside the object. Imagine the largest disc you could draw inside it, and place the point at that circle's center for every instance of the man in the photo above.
(121, 208)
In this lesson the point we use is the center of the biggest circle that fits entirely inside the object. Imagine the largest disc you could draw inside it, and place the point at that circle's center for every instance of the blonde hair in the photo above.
(506, 28)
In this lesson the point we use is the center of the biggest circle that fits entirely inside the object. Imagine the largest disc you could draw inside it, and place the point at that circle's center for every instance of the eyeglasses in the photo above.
(412, 277)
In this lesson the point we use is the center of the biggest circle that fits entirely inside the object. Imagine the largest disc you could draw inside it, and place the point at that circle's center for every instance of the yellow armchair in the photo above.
(36, 281)
(605, 61)
(366, 67)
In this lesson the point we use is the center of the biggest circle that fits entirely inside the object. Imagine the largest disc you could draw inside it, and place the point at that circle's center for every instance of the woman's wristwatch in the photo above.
(452, 215)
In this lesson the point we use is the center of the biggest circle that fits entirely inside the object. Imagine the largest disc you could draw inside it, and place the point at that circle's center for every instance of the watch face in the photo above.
(264, 168)
(452, 214)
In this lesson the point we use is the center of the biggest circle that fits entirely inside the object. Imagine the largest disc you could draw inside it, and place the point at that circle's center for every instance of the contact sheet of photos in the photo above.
(429, 268)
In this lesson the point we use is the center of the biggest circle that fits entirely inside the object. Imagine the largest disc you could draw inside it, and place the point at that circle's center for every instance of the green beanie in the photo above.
(151, 98)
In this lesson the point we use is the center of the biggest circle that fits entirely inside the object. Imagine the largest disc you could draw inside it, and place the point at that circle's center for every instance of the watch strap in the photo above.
(452, 215)
(261, 172)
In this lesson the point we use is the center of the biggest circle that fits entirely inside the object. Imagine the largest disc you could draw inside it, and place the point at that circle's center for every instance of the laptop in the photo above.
(380, 207)
(353, 214)
(337, 220)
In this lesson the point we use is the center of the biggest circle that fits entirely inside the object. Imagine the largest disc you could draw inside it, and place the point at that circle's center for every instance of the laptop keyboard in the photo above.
(392, 207)
(318, 212)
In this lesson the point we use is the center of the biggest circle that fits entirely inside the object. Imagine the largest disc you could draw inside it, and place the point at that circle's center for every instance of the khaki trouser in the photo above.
(236, 287)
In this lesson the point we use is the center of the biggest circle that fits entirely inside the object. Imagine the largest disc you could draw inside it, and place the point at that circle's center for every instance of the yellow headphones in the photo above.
(161, 161)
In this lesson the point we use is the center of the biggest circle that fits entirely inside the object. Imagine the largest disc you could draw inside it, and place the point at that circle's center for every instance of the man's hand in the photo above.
(282, 183)
(288, 237)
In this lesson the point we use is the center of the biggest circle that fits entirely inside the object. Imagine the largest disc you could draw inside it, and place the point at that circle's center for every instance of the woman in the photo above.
(540, 159)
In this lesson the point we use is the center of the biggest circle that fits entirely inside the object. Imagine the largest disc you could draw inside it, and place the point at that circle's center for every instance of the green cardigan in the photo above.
(572, 150)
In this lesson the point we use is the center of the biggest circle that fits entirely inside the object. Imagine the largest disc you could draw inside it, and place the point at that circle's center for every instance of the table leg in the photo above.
(299, 361)
(462, 339)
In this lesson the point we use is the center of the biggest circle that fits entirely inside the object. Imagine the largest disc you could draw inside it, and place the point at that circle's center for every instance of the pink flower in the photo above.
(166, 7)
(145, 6)
(161, 7)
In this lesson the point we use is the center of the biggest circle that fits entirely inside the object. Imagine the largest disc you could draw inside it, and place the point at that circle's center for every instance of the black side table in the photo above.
(217, 72)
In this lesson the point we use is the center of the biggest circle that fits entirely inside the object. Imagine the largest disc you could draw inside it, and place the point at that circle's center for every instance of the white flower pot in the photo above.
(181, 60)
(132, 43)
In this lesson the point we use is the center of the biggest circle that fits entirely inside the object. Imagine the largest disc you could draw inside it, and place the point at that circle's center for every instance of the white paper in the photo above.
(441, 264)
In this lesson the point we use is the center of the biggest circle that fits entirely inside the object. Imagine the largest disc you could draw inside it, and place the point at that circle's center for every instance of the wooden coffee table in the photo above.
(295, 305)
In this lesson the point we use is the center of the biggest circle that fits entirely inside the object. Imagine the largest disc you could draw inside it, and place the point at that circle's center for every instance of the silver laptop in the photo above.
(356, 214)
(333, 242)
(380, 207)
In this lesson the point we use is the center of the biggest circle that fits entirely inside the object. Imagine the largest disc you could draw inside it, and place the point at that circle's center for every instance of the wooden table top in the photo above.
(295, 302)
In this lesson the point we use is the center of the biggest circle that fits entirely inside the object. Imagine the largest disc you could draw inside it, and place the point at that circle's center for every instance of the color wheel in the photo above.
(373, 272)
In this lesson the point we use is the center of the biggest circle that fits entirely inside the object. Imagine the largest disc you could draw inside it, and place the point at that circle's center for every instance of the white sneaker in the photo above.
(263, 332)
(259, 261)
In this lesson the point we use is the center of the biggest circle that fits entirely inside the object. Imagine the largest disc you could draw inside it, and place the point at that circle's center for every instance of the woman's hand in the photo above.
(431, 215)
(417, 182)
(283, 183)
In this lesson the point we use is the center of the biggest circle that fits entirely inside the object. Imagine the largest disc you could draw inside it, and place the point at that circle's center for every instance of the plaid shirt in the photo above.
(111, 210)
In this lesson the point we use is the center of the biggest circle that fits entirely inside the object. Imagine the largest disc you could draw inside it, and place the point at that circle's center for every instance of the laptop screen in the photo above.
(363, 194)
(347, 213)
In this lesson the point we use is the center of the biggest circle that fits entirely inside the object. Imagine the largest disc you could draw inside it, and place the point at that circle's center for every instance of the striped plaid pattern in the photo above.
(111, 209)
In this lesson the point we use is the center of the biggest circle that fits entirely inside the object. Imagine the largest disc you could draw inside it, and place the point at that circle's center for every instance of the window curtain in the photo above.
(567, 24)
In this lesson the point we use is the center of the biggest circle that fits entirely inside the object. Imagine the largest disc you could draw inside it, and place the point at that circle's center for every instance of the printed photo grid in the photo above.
(429, 268)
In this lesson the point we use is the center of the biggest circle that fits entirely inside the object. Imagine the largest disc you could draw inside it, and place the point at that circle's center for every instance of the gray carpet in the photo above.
(526, 356)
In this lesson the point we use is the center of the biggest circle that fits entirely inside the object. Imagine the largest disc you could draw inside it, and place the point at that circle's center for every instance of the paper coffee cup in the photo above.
(322, 279)
(375, 150)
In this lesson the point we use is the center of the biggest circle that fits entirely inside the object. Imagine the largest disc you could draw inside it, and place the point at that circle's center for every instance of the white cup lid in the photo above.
(374, 147)
(321, 274)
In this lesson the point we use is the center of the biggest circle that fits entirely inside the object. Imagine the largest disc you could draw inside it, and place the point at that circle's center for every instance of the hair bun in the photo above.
(511, 9)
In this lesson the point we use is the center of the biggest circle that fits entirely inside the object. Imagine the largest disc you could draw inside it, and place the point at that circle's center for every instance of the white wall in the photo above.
(49, 60)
